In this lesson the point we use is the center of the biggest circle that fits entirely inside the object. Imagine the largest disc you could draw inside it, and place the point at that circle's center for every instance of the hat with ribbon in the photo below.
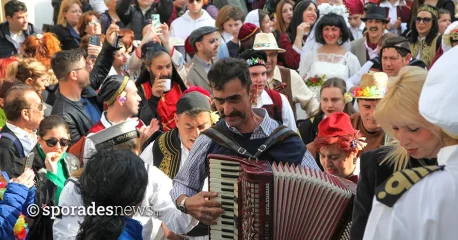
(112, 87)
(438, 96)
(115, 135)
(371, 86)
(254, 57)
(266, 41)
(377, 13)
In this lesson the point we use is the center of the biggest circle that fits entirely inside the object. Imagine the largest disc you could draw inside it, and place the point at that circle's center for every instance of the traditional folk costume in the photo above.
(421, 203)
(421, 49)
(164, 107)
(168, 153)
(450, 36)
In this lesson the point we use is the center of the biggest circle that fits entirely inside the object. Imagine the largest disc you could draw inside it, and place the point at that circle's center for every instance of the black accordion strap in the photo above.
(279, 134)
(215, 134)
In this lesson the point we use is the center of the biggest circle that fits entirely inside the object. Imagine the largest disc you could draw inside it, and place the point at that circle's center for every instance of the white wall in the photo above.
(40, 12)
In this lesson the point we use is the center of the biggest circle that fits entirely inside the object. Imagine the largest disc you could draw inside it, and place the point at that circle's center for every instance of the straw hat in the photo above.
(266, 41)
(372, 86)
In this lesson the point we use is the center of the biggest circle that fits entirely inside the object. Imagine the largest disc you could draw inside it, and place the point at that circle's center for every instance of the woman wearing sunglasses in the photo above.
(53, 167)
(424, 38)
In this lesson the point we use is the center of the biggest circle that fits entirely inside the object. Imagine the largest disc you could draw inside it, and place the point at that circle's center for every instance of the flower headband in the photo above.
(326, 8)
(369, 92)
(428, 9)
(255, 61)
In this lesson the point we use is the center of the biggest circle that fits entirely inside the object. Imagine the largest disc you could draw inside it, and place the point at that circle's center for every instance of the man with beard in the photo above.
(160, 86)
(76, 100)
(245, 127)
(204, 40)
(366, 48)
(372, 88)
(16, 28)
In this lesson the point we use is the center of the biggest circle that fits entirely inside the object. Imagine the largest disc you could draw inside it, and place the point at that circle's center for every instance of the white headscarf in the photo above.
(446, 44)
(253, 17)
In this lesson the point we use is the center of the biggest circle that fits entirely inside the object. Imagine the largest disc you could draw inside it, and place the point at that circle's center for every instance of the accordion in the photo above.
(264, 201)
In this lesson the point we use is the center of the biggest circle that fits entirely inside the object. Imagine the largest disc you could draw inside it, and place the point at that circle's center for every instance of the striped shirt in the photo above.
(190, 178)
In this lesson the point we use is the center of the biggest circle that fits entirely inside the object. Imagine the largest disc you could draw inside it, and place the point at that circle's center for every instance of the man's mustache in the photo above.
(234, 113)
(373, 29)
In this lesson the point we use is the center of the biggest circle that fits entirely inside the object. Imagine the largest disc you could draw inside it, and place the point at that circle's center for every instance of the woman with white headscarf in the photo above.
(261, 19)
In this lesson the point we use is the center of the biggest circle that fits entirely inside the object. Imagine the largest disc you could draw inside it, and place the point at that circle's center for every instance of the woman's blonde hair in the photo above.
(64, 6)
(399, 107)
(28, 68)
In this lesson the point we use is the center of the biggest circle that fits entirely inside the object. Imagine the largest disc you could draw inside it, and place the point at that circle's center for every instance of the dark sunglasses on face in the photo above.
(425, 20)
(192, 1)
(213, 40)
(52, 142)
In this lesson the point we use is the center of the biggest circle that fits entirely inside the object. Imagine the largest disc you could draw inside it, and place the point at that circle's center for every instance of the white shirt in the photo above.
(184, 25)
(287, 114)
(157, 196)
(393, 15)
(427, 211)
(18, 39)
(28, 140)
(358, 32)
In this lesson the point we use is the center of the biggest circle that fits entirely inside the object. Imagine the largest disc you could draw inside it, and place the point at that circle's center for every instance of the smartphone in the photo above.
(94, 40)
(28, 161)
(155, 21)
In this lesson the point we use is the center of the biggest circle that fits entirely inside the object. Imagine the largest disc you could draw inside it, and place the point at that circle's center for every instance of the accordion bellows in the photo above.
(279, 201)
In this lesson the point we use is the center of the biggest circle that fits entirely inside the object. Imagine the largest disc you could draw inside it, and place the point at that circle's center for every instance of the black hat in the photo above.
(112, 87)
(115, 135)
(192, 100)
(377, 13)
(152, 47)
(254, 57)
(200, 32)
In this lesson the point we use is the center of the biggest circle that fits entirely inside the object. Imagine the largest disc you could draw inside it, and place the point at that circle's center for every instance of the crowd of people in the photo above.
(120, 102)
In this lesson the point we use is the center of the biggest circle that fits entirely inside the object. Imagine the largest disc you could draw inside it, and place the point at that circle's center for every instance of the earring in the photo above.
(340, 41)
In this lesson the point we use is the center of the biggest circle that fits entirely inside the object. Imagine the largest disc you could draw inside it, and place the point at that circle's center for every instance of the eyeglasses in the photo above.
(40, 107)
(192, 1)
(213, 40)
(425, 20)
(86, 67)
(52, 142)
(93, 23)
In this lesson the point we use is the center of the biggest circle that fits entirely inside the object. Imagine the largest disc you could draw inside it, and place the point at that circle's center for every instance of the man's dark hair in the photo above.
(14, 6)
(332, 19)
(401, 44)
(111, 178)
(15, 101)
(228, 69)
(50, 122)
(63, 61)
(150, 56)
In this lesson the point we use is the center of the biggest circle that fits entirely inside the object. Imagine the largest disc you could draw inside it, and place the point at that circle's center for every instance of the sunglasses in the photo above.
(93, 23)
(425, 20)
(192, 1)
(52, 142)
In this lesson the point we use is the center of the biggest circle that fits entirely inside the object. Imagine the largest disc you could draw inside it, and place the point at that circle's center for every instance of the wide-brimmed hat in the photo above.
(377, 13)
(266, 41)
(371, 86)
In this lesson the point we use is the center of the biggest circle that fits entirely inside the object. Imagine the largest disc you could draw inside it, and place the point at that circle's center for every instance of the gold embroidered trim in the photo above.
(427, 52)
(170, 163)
(119, 91)
(429, 9)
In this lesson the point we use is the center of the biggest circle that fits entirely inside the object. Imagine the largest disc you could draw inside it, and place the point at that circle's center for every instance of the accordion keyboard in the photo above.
(223, 180)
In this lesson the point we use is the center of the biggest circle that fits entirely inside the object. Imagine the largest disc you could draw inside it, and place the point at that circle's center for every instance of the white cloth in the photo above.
(426, 211)
(184, 25)
(333, 65)
(358, 32)
(438, 97)
(98, 6)
(287, 114)
(253, 17)
(18, 39)
(157, 196)
(393, 15)
(28, 140)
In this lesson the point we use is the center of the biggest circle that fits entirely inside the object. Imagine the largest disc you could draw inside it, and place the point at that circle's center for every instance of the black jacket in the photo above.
(8, 48)
(67, 41)
(132, 16)
(73, 113)
(10, 161)
(371, 175)
(45, 194)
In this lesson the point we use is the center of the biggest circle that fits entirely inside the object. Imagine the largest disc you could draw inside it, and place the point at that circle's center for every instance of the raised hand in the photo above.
(26, 178)
(112, 31)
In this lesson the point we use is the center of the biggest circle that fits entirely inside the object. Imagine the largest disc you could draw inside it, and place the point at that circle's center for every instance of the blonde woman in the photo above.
(418, 142)
(66, 29)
